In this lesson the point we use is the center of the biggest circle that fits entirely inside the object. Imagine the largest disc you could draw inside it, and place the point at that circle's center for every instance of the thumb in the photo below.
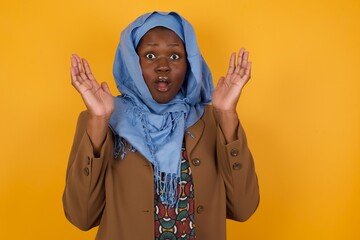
(105, 87)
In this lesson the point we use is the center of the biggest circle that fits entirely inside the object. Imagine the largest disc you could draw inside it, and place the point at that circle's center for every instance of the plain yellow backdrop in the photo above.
(301, 109)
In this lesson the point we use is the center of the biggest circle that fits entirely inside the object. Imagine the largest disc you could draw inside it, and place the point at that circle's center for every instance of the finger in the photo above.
(88, 70)
(248, 69)
(244, 63)
(105, 87)
(86, 66)
(75, 75)
(220, 82)
(73, 61)
(231, 66)
(75, 79)
(245, 59)
(77, 58)
(72, 74)
(83, 76)
(247, 74)
(239, 60)
(78, 62)
(74, 65)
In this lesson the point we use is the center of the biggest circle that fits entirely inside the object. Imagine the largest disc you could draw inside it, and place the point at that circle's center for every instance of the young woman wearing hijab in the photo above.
(168, 158)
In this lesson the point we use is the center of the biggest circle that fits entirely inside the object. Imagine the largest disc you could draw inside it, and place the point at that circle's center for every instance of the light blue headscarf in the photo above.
(157, 130)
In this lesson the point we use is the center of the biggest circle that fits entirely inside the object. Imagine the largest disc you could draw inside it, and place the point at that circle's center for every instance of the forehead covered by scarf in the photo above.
(158, 20)
(157, 130)
(198, 84)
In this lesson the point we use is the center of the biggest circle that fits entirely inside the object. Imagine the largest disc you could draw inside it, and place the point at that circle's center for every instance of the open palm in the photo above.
(97, 97)
(228, 90)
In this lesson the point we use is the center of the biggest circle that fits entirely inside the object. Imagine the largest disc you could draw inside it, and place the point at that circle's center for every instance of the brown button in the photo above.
(86, 171)
(236, 166)
(234, 152)
(196, 161)
(200, 209)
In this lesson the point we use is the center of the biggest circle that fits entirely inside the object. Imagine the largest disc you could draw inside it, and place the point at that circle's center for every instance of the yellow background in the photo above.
(301, 109)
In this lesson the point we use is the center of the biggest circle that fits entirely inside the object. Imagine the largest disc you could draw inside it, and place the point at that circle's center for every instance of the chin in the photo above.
(163, 98)
(161, 101)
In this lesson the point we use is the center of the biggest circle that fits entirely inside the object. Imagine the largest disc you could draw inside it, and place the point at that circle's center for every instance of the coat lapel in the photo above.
(193, 135)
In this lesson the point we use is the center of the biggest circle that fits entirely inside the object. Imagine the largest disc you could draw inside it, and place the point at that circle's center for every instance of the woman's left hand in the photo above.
(228, 90)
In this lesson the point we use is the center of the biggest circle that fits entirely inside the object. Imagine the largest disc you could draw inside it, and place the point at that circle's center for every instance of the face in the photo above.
(163, 63)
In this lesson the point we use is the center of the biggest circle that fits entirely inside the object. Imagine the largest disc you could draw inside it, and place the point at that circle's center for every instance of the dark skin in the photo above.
(163, 62)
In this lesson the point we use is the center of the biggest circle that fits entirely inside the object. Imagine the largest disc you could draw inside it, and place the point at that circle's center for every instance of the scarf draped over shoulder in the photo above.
(157, 130)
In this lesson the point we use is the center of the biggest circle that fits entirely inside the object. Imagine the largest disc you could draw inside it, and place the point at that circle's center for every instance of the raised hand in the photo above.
(228, 90)
(97, 97)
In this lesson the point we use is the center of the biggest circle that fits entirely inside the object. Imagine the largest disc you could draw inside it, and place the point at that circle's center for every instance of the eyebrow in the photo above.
(169, 45)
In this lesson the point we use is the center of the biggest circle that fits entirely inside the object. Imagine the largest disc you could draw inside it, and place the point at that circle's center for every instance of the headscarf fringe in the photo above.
(136, 114)
(168, 187)
(120, 149)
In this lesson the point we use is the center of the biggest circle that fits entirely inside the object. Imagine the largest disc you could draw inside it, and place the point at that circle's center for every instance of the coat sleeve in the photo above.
(84, 194)
(237, 168)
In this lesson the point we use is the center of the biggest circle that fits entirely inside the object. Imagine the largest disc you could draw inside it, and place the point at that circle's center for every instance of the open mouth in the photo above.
(162, 84)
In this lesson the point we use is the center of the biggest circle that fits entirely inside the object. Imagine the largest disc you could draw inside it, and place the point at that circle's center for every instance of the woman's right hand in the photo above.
(97, 97)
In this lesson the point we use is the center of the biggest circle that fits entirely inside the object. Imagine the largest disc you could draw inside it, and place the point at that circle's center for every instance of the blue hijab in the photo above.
(157, 130)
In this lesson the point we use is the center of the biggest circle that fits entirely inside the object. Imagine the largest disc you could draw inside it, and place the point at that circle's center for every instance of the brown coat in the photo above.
(118, 194)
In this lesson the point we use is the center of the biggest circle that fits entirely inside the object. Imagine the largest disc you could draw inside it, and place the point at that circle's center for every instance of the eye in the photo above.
(174, 56)
(150, 56)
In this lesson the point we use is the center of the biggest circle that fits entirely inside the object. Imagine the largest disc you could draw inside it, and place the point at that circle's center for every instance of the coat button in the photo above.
(234, 152)
(196, 161)
(200, 209)
(236, 166)
(86, 171)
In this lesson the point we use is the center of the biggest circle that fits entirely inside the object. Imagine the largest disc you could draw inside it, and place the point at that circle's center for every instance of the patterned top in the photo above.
(177, 223)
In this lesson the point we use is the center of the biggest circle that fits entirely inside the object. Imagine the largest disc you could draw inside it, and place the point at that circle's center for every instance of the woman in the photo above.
(159, 161)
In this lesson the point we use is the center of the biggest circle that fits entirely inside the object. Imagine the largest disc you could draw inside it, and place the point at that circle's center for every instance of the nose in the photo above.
(162, 66)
